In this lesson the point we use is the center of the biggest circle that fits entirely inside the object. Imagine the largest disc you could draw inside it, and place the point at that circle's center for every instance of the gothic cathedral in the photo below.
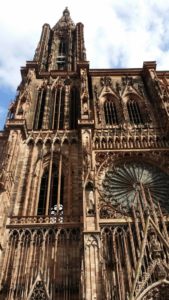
(84, 184)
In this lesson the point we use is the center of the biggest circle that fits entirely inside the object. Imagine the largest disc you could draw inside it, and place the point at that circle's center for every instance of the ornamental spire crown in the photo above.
(65, 22)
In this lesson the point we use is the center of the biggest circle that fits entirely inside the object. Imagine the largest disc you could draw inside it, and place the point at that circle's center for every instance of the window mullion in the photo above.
(59, 182)
(49, 184)
(38, 107)
(54, 109)
(62, 107)
(136, 118)
(110, 114)
(42, 107)
(138, 113)
(131, 112)
(114, 114)
(105, 112)
(59, 107)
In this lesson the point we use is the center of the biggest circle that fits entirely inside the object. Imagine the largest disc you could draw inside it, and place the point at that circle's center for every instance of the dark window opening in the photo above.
(134, 112)
(40, 109)
(62, 106)
(54, 192)
(62, 190)
(110, 113)
(58, 109)
(73, 109)
(43, 194)
(55, 196)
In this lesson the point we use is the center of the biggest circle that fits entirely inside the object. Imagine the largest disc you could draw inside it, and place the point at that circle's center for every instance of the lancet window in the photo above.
(58, 108)
(51, 192)
(73, 108)
(134, 112)
(61, 58)
(62, 47)
(110, 111)
(40, 107)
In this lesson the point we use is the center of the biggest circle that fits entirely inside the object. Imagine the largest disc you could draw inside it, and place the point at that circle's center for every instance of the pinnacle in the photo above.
(66, 12)
(65, 21)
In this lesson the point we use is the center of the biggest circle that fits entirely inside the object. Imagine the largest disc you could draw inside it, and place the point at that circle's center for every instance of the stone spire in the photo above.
(61, 47)
(65, 22)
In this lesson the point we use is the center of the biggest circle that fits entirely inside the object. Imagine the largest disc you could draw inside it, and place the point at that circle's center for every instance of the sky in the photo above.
(118, 34)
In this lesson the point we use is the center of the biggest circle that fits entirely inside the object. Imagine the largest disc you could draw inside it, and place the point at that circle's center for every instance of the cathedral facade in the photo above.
(84, 183)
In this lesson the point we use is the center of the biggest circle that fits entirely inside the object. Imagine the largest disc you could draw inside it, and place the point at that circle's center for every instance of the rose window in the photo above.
(125, 183)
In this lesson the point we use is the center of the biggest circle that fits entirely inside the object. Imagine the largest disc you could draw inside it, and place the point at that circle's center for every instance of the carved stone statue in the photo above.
(155, 246)
(12, 109)
(90, 198)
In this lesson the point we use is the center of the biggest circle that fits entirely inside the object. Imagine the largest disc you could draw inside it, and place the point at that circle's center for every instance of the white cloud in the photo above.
(117, 33)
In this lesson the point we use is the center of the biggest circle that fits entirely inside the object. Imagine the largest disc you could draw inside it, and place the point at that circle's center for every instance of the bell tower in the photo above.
(41, 182)
(84, 180)
(61, 47)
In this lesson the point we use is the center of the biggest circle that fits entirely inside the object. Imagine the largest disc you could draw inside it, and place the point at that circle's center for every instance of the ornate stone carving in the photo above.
(39, 292)
(84, 94)
(89, 190)
(31, 75)
(155, 245)
(64, 23)
(127, 80)
(106, 81)
(158, 293)
(92, 240)
(12, 109)
(107, 211)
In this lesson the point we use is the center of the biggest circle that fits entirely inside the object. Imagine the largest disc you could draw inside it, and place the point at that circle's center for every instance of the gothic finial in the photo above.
(65, 21)
(66, 12)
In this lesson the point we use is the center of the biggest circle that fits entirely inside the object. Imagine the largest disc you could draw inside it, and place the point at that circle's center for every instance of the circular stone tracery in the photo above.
(122, 185)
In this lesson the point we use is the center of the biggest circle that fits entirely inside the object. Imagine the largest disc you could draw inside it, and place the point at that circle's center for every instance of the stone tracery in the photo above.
(123, 184)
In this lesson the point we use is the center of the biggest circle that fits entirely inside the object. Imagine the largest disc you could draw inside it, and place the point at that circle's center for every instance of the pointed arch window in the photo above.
(74, 101)
(134, 112)
(110, 111)
(51, 192)
(40, 107)
(43, 194)
(56, 192)
(58, 108)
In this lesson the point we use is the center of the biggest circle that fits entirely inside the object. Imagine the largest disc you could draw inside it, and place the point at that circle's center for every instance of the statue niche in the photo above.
(89, 193)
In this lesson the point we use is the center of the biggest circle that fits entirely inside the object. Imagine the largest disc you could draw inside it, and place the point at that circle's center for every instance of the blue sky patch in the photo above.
(6, 97)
